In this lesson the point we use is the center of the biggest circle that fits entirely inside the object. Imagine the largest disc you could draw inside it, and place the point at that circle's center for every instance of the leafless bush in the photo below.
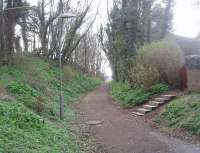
(160, 61)
(143, 75)
(68, 73)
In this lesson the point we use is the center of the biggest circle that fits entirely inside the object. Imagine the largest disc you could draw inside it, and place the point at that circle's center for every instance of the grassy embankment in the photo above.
(29, 123)
(129, 97)
(182, 113)
(152, 65)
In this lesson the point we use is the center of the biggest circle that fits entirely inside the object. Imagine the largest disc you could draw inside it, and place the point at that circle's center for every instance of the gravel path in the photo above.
(122, 133)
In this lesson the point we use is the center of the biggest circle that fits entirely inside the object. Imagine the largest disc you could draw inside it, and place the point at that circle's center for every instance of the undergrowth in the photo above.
(182, 113)
(129, 97)
(25, 132)
(35, 85)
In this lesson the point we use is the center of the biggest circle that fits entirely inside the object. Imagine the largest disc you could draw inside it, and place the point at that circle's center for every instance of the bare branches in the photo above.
(40, 26)
(25, 8)
(71, 43)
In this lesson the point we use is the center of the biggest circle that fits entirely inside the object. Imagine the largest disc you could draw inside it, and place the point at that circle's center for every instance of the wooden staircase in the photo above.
(153, 104)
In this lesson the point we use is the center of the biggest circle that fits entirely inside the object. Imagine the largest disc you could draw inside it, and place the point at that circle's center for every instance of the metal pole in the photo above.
(61, 99)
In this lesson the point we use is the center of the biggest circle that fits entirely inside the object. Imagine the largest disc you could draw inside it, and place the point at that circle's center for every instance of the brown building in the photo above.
(190, 73)
(192, 64)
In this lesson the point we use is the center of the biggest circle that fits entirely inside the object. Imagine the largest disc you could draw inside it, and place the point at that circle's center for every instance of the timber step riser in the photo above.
(152, 105)
(156, 103)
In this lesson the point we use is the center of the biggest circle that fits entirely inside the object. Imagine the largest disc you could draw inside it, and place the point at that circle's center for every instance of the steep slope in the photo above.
(29, 107)
(182, 114)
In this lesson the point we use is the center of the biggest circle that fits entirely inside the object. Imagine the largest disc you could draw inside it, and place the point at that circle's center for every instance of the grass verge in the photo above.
(30, 123)
(182, 113)
(129, 97)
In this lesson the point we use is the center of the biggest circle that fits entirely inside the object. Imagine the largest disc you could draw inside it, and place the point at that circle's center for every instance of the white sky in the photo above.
(186, 18)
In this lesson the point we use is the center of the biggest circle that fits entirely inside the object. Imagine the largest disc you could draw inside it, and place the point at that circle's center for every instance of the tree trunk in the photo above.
(18, 46)
(2, 54)
(24, 33)
(149, 5)
(165, 26)
(43, 31)
(149, 31)
(34, 42)
(10, 35)
(10, 18)
(44, 43)
(124, 3)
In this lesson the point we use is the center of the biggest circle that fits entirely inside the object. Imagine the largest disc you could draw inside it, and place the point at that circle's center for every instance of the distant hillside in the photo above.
(29, 120)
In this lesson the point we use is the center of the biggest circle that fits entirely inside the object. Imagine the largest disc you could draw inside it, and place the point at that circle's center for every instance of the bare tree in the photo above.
(166, 18)
(24, 31)
(43, 23)
(2, 53)
(10, 14)
(71, 39)
(88, 55)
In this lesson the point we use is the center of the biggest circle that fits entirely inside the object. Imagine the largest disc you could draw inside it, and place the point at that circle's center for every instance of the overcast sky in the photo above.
(186, 16)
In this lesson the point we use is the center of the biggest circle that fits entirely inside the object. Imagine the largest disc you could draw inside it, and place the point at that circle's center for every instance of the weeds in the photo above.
(35, 86)
(129, 97)
(158, 88)
(184, 113)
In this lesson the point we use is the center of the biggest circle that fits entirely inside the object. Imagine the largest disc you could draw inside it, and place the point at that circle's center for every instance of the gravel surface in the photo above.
(120, 132)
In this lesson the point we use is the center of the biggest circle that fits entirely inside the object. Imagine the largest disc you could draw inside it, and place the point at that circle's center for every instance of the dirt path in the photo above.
(122, 133)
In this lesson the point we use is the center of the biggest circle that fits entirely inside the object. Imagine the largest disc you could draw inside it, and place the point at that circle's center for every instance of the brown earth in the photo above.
(117, 131)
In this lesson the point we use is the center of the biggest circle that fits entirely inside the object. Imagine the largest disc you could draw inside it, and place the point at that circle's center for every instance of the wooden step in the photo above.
(143, 110)
(150, 107)
(137, 114)
(161, 99)
(156, 103)
(168, 96)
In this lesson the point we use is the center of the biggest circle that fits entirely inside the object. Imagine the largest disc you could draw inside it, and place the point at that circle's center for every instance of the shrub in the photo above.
(35, 85)
(39, 104)
(143, 76)
(67, 73)
(184, 113)
(21, 88)
(192, 125)
(136, 97)
(17, 59)
(20, 126)
(173, 112)
(165, 57)
(129, 97)
(158, 88)
(20, 117)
